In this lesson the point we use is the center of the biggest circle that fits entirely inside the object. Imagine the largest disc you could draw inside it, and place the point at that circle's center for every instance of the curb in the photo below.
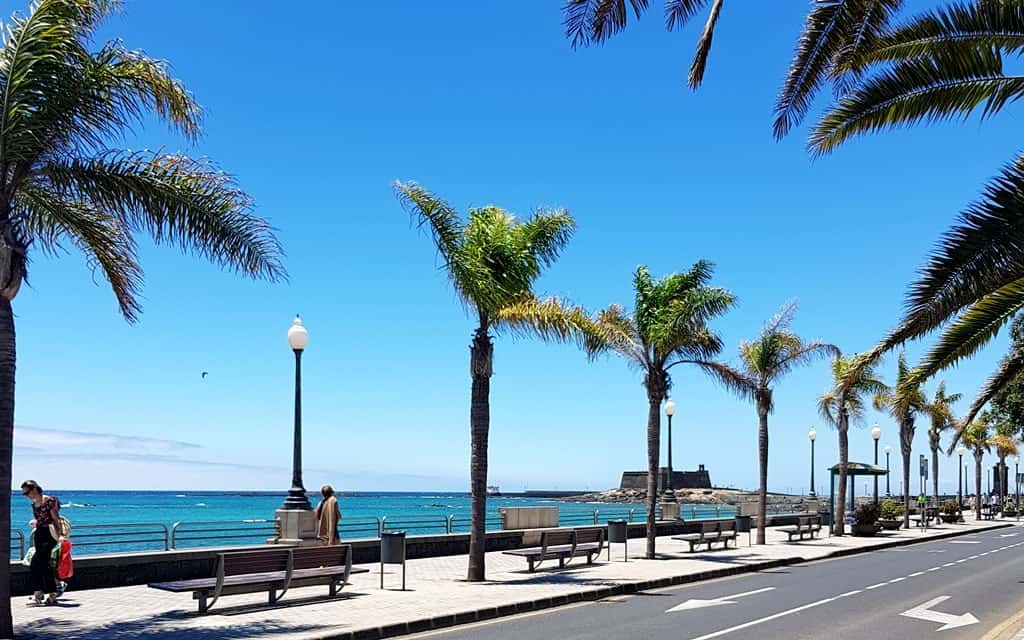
(527, 606)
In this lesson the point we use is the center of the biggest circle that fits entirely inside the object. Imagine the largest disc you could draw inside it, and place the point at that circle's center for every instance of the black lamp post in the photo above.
(876, 433)
(297, 499)
(811, 435)
(888, 450)
(669, 494)
(960, 477)
(1016, 483)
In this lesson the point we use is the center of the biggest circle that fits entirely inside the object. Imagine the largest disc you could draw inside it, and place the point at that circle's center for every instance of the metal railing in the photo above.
(15, 533)
(123, 534)
(365, 527)
(257, 530)
(143, 536)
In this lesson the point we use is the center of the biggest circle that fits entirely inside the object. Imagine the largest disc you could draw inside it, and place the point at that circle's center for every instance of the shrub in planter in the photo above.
(950, 511)
(1010, 509)
(865, 520)
(890, 514)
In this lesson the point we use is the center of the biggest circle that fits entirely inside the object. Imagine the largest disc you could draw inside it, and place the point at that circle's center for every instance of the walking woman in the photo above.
(328, 516)
(46, 510)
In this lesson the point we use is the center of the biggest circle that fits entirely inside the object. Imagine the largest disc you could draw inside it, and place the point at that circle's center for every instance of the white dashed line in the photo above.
(894, 580)
(934, 569)
(849, 593)
(915, 574)
(875, 586)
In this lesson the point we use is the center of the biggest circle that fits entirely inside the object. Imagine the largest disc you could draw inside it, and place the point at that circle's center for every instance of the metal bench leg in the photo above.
(271, 597)
(202, 604)
(334, 589)
(561, 562)
(529, 563)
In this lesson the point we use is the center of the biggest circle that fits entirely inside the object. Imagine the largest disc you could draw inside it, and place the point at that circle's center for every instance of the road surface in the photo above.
(961, 587)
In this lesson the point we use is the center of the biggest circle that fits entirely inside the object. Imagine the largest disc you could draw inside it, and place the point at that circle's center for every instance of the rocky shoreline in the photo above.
(744, 500)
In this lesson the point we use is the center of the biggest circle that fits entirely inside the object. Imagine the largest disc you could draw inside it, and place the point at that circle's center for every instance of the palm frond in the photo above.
(730, 378)
(616, 331)
(175, 199)
(594, 21)
(700, 59)
(834, 34)
(102, 237)
(438, 216)
(550, 319)
(828, 407)
(546, 234)
(679, 12)
(953, 28)
(1009, 368)
(940, 87)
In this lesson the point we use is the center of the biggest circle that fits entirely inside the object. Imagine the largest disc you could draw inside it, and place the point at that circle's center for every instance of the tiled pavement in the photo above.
(436, 595)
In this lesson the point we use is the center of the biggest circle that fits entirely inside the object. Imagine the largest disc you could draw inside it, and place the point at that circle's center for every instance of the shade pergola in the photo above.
(853, 469)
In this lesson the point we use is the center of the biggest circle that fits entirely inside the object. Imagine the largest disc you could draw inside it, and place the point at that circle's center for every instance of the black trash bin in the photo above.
(392, 551)
(619, 534)
(744, 525)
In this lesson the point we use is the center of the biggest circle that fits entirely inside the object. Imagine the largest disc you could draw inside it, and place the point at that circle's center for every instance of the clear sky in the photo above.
(318, 107)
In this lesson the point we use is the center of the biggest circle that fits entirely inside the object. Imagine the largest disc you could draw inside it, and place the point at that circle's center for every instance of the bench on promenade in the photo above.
(805, 526)
(711, 531)
(271, 570)
(563, 545)
(987, 512)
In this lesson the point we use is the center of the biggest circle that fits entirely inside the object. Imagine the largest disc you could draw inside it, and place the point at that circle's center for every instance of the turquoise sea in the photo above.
(111, 521)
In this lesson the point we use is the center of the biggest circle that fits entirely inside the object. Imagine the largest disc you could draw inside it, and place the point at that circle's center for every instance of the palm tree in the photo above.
(1005, 442)
(838, 406)
(940, 409)
(945, 64)
(668, 327)
(763, 362)
(975, 436)
(61, 185)
(904, 402)
(492, 260)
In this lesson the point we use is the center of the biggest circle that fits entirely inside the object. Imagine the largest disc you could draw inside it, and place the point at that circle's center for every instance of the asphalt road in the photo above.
(961, 587)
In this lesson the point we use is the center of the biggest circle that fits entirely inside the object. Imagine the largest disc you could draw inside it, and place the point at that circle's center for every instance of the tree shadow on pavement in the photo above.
(165, 627)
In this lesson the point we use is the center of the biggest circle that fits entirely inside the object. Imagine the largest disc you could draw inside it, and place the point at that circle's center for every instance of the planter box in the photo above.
(949, 518)
(891, 525)
(864, 529)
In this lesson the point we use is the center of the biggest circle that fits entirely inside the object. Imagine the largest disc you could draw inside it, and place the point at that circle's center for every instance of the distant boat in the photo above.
(493, 490)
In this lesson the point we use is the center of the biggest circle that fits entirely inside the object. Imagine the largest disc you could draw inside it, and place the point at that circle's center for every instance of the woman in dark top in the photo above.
(46, 510)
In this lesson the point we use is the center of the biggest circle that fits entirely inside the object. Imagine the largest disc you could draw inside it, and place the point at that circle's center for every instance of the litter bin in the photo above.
(392, 551)
(743, 525)
(619, 534)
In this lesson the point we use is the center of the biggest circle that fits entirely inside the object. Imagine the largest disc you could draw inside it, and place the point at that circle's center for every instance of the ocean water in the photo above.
(113, 521)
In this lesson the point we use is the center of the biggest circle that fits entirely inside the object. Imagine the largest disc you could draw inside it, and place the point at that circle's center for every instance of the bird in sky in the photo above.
(205, 373)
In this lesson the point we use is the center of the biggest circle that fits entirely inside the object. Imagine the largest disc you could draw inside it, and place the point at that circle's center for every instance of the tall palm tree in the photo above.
(668, 327)
(763, 362)
(975, 436)
(944, 64)
(492, 260)
(940, 409)
(62, 185)
(838, 406)
(904, 402)
(1004, 440)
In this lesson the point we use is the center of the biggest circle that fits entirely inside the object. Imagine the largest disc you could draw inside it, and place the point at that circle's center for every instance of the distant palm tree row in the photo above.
(886, 71)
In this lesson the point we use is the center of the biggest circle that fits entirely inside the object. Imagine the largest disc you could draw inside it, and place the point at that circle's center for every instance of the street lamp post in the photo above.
(670, 493)
(888, 450)
(297, 500)
(1016, 483)
(876, 433)
(960, 450)
(811, 435)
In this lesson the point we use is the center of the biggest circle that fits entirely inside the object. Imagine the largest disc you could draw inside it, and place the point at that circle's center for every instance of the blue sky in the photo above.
(318, 108)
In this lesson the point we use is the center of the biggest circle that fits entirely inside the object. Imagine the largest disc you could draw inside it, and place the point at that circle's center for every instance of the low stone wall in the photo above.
(121, 570)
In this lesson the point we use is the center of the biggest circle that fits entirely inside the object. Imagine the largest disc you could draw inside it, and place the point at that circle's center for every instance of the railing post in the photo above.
(718, 511)
(596, 512)
(380, 527)
(174, 535)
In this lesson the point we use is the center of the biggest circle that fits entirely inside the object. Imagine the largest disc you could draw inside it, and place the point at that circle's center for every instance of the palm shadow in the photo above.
(169, 627)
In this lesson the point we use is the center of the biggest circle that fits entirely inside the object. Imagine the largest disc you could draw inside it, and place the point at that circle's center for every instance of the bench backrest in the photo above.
(728, 525)
(709, 526)
(557, 538)
(244, 562)
(590, 534)
(316, 557)
(805, 522)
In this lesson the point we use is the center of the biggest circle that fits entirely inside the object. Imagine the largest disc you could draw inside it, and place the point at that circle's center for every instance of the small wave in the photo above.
(76, 505)
(180, 495)
(251, 520)
(200, 504)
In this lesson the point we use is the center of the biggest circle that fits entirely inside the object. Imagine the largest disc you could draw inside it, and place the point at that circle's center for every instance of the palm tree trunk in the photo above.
(1001, 470)
(7, 361)
(906, 448)
(977, 483)
(844, 454)
(657, 384)
(481, 359)
(762, 454)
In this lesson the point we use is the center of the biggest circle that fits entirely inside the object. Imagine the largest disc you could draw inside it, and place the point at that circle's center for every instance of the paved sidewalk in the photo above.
(436, 596)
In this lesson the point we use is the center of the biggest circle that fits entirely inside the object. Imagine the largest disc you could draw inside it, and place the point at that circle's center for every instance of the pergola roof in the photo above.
(860, 469)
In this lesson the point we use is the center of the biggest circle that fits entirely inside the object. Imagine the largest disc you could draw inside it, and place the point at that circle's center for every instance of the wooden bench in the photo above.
(271, 570)
(563, 545)
(711, 531)
(805, 525)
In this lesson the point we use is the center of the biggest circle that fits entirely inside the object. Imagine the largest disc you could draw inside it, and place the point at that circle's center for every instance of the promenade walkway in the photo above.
(436, 596)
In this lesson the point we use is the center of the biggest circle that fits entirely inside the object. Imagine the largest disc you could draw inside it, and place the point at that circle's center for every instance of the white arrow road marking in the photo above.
(947, 620)
(699, 604)
(1007, 535)
(965, 542)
